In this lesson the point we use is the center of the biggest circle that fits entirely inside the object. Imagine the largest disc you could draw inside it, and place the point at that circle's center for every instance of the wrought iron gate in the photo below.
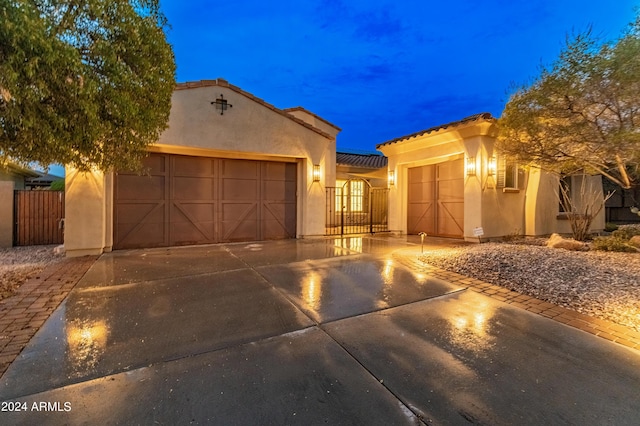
(356, 208)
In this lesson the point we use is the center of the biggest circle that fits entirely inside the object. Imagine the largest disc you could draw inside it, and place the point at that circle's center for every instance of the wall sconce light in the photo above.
(316, 172)
(392, 178)
(221, 104)
(471, 166)
(491, 166)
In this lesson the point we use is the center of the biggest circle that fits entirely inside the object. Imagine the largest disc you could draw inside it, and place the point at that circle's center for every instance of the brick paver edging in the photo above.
(602, 328)
(22, 314)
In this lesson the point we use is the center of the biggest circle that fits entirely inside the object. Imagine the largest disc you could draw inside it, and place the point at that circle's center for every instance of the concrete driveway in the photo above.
(306, 332)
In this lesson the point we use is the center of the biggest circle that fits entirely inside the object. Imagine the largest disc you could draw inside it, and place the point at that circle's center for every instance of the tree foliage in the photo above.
(582, 113)
(83, 82)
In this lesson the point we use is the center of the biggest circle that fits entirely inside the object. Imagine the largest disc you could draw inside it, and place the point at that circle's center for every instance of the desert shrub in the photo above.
(612, 244)
(610, 227)
(625, 232)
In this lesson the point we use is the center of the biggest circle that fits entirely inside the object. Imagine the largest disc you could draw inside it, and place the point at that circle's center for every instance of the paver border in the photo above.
(22, 314)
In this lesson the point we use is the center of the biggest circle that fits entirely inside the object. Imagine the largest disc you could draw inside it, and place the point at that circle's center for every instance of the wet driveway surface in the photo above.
(306, 332)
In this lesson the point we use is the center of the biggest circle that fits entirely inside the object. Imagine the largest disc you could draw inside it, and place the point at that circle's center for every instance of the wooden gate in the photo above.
(38, 217)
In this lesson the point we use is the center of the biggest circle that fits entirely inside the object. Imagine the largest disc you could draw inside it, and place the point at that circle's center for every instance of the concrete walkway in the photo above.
(344, 331)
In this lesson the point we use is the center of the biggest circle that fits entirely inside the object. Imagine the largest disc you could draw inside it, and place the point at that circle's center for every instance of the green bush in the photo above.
(612, 244)
(625, 232)
(610, 227)
(57, 185)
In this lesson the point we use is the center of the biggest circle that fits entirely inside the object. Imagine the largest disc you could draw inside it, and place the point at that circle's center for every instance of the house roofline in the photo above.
(220, 82)
(484, 116)
(299, 108)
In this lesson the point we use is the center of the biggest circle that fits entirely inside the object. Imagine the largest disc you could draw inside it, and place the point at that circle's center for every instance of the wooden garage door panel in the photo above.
(435, 199)
(420, 200)
(239, 189)
(192, 188)
(138, 188)
(192, 166)
(449, 219)
(280, 171)
(450, 190)
(203, 200)
(140, 225)
(242, 169)
(279, 221)
(279, 190)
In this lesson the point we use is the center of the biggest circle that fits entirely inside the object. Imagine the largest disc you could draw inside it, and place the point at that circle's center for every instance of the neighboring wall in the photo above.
(6, 213)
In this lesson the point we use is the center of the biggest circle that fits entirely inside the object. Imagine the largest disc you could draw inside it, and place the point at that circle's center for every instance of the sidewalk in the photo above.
(22, 314)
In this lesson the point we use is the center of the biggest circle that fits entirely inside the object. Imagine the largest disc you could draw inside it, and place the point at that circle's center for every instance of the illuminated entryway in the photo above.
(354, 207)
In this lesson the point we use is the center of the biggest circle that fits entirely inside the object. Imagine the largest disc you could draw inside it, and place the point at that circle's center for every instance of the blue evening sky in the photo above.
(381, 69)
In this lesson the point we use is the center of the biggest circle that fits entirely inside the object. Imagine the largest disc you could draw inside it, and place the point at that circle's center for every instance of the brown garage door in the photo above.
(198, 200)
(435, 199)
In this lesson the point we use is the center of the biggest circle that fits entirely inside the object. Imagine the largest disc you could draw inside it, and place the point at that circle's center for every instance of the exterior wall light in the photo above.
(471, 166)
(392, 178)
(316, 172)
(491, 166)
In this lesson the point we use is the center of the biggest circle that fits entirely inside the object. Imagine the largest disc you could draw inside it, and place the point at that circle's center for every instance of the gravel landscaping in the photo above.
(18, 264)
(599, 284)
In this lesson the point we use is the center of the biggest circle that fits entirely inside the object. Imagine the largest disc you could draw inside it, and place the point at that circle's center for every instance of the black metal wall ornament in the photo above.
(221, 104)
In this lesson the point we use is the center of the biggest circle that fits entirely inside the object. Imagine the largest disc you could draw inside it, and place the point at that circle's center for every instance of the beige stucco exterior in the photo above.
(6, 213)
(249, 129)
(12, 178)
(529, 209)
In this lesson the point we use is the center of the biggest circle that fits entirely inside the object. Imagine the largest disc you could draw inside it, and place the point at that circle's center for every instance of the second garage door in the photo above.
(198, 200)
(436, 199)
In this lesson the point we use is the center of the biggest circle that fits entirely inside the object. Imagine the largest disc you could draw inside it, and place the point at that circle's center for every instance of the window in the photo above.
(508, 174)
(350, 196)
(339, 187)
(357, 193)
(564, 194)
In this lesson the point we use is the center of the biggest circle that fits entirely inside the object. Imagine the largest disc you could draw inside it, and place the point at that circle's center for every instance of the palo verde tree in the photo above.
(86, 83)
(582, 114)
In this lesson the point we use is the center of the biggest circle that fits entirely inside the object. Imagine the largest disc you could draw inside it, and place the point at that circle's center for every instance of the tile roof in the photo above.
(483, 116)
(299, 108)
(366, 161)
(220, 82)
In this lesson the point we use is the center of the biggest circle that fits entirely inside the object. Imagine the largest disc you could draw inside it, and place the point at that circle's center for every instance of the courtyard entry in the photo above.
(354, 207)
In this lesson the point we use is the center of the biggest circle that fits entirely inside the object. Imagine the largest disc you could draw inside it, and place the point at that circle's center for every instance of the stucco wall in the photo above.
(6, 213)
(86, 201)
(250, 129)
(531, 209)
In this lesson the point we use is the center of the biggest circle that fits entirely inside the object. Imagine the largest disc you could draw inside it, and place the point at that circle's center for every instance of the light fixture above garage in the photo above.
(221, 104)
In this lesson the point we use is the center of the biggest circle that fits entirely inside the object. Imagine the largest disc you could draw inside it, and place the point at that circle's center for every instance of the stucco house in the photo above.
(449, 181)
(230, 167)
